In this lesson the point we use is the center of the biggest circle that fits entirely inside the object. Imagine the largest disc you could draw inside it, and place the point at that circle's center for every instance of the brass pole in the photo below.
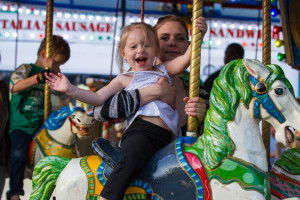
(49, 43)
(196, 43)
(266, 60)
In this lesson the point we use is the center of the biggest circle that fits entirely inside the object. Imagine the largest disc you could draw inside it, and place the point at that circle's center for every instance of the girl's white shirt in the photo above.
(143, 79)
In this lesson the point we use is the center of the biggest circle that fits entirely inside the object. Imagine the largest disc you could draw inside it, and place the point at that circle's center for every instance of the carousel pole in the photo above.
(196, 43)
(114, 42)
(142, 10)
(49, 43)
(266, 60)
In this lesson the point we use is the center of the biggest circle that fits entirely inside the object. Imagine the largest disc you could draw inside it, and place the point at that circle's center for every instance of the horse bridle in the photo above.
(262, 97)
(72, 122)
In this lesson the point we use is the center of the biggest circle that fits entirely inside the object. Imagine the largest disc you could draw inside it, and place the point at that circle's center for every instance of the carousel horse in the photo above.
(228, 161)
(285, 175)
(57, 135)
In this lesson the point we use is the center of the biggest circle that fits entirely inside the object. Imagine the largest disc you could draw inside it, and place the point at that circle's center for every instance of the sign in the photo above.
(91, 35)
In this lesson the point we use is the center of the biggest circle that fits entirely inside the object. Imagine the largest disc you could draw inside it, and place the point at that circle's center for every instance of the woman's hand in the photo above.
(195, 107)
(168, 93)
(58, 82)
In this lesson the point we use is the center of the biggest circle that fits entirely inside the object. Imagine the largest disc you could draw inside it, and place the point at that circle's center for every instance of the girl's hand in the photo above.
(58, 82)
(201, 24)
(195, 107)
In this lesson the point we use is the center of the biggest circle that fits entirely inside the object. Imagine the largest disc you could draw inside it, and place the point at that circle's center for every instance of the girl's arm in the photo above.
(179, 64)
(61, 83)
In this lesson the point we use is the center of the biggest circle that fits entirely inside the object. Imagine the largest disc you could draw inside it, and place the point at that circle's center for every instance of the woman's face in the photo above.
(173, 41)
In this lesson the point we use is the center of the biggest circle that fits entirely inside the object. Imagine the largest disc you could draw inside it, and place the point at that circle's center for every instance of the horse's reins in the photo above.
(75, 124)
(72, 122)
(263, 98)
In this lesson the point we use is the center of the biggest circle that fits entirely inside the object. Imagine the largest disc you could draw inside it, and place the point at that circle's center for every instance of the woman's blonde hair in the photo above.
(171, 18)
(147, 29)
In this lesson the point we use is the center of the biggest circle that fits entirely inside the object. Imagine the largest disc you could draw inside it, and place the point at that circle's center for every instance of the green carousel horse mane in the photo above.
(289, 160)
(46, 171)
(229, 89)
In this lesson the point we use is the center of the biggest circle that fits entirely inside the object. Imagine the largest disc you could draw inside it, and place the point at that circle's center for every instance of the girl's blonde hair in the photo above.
(147, 29)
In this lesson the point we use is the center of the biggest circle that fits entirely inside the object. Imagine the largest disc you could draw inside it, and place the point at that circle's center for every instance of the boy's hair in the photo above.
(149, 32)
(171, 18)
(59, 46)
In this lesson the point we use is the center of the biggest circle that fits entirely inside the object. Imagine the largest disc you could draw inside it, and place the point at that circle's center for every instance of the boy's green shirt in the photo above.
(26, 107)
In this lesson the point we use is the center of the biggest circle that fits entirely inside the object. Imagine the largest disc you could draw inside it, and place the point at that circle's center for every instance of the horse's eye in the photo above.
(78, 120)
(279, 91)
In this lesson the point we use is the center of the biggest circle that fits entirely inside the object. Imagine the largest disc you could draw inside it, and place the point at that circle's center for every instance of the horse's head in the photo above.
(80, 122)
(254, 85)
(274, 99)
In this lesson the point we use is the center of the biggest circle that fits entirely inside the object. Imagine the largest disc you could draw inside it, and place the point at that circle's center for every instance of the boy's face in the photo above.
(52, 63)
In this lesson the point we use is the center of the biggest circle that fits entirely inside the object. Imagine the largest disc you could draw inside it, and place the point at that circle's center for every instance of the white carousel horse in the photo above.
(227, 162)
(57, 135)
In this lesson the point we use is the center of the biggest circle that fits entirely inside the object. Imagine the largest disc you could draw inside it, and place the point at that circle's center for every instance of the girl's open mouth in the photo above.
(141, 61)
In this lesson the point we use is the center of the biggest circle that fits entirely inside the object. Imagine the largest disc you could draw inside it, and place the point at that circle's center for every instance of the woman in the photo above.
(173, 36)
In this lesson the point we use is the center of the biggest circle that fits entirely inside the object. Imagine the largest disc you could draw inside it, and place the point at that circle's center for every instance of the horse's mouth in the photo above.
(83, 131)
(289, 135)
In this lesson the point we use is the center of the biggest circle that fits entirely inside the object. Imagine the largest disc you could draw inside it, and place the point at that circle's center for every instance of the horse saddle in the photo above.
(166, 175)
(109, 151)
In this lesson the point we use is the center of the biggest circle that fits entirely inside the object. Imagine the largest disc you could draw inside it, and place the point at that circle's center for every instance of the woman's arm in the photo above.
(126, 103)
(160, 91)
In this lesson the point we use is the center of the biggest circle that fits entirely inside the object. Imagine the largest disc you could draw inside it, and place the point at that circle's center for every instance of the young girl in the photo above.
(174, 40)
(155, 124)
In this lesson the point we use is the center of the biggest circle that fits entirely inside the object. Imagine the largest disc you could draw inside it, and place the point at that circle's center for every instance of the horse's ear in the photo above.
(71, 106)
(256, 68)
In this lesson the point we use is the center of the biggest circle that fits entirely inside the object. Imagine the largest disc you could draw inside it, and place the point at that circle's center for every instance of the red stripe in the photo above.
(142, 10)
(198, 167)
(30, 149)
(277, 194)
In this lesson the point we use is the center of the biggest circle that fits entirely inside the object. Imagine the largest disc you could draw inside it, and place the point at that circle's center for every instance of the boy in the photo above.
(27, 107)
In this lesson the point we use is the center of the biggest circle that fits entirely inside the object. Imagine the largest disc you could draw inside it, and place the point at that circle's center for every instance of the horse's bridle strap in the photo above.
(263, 98)
(72, 124)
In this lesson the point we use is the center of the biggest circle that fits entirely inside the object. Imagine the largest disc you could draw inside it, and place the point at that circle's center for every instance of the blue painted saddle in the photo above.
(167, 173)
(109, 151)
